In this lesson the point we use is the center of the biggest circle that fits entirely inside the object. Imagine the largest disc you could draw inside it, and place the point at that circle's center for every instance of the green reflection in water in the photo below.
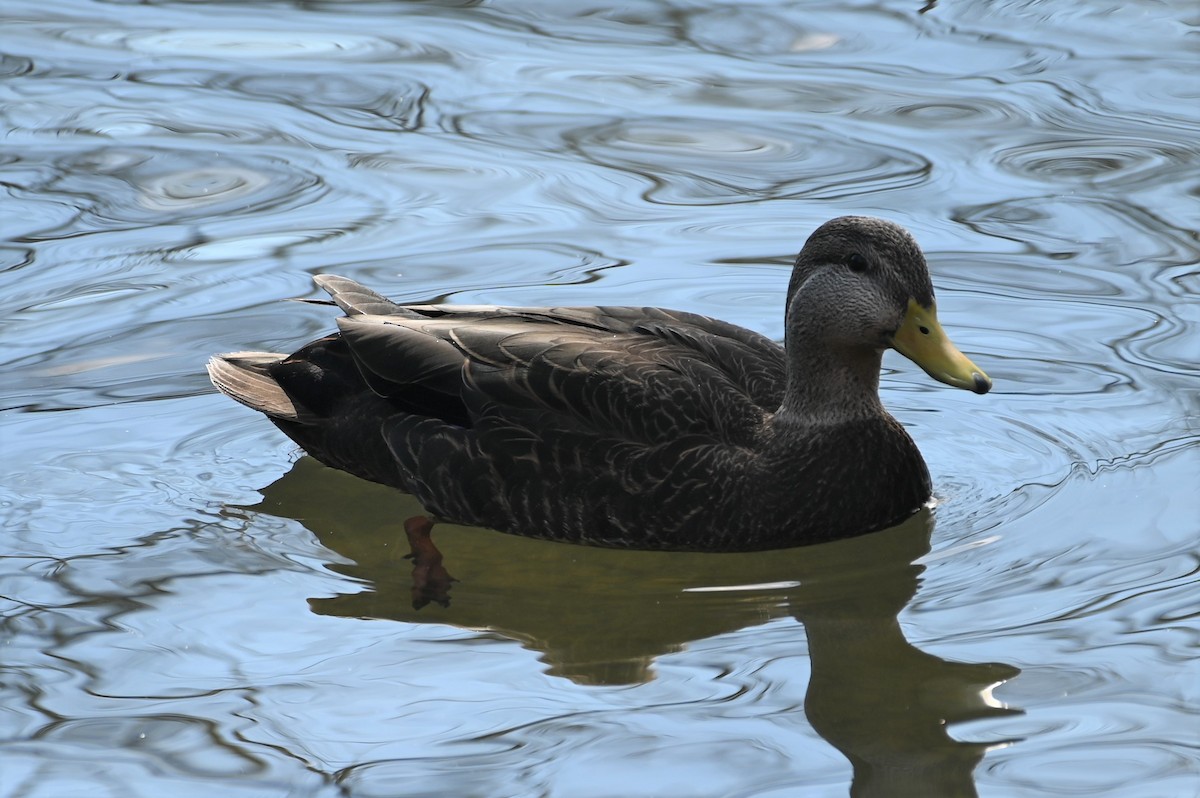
(601, 616)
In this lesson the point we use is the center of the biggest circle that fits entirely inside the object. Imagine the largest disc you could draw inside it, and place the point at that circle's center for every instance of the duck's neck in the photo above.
(825, 386)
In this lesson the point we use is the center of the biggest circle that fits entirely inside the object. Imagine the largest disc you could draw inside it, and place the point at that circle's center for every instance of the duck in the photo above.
(629, 427)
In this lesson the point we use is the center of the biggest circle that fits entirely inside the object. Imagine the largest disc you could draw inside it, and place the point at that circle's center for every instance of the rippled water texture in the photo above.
(187, 613)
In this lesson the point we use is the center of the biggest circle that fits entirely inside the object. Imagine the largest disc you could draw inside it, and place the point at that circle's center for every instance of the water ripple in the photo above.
(1096, 161)
(1098, 762)
(12, 66)
(143, 186)
(177, 743)
(966, 111)
(526, 266)
(365, 102)
(692, 163)
(1098, 231)
(239, 43)
(741, 32)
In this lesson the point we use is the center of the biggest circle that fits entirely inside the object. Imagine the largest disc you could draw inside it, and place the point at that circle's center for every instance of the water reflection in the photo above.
(603, 617)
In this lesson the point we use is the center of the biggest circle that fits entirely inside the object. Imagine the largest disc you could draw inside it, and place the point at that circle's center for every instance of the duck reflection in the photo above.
(603, 616)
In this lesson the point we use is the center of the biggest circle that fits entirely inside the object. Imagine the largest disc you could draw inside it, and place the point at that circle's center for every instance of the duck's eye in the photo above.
(856, 262)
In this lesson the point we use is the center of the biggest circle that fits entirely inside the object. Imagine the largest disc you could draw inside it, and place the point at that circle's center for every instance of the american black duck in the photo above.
(629, 427)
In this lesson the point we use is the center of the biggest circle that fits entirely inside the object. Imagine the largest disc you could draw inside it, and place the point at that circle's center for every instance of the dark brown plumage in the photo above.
(624, 426)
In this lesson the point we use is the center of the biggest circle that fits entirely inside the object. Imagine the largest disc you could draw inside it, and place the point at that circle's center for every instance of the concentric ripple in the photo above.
(350, 100)
(1096, 161)
(698, 163)
(1107, 232)
(236, 43)
(121, 186)
(737, 30)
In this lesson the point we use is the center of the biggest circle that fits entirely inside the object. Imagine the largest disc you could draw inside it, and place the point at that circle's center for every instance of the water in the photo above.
(187, 612)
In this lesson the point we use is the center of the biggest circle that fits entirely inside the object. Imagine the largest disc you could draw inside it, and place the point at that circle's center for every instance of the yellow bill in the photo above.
(923, 341)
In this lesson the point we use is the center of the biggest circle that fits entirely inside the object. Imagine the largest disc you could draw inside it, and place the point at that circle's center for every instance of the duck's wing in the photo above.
(574, 434)
(751, 360)
(554, 415)
(631, 384)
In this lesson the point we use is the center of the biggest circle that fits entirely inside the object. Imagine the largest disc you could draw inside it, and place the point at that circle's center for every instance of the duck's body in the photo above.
(620, 426)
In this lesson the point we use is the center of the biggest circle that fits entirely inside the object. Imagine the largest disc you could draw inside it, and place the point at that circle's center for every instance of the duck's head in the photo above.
(861, 284)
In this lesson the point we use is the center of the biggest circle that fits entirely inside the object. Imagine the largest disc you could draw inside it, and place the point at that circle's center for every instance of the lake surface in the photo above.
(190, 609)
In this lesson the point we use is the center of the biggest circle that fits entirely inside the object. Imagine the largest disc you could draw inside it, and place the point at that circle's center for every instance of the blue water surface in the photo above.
(190, 609)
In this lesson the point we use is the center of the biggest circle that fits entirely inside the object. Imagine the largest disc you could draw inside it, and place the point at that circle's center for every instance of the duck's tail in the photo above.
(356, 299)
(246, 378)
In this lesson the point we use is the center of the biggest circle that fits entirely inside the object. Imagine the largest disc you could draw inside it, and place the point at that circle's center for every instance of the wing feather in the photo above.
(551, 413)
